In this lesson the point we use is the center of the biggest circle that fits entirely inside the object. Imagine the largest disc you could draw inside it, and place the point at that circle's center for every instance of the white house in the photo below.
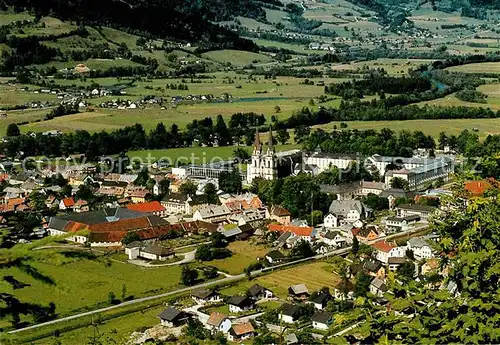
(385, 250)
(212, 213)
(330, 221)
(150, 251)
(289, 313)
(401, 223)
(423, 211)
(347, 211)
(334, 239)
(420, 248)
(378, 287)
(238, 304)
(257, 292)
(204, 296)
(218, 322)
(322, 320)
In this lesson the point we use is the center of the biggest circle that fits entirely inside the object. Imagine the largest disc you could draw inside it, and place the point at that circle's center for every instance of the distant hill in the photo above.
(188, 20)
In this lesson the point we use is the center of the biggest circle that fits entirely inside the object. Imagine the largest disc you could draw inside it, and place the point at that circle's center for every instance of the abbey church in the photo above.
(264, 164)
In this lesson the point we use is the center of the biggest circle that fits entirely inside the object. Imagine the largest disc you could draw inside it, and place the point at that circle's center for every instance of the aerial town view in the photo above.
(184, 172)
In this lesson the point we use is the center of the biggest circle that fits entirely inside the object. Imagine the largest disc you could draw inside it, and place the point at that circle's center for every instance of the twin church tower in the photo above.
(264, 164)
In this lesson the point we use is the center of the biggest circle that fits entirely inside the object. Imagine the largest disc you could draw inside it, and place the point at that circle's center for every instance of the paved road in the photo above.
(227, 279)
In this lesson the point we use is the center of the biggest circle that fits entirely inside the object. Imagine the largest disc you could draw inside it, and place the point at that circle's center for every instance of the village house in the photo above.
(204, 296)
(150, 251)
(423, 211)
(278, 214)
(334, 239)
(401, 223)
(139, 195)
(305, 233)
(394, 263)
(151, 207)
(347, 211)
(288, 313)
(67, 204)
(385, 250)
(365, 234)
(238, 304)
(172, 317)
(248, 216)
(374, 268)
(432, 266)
(81, 206)
(212, 213)
(177, 203)
(218, 322)
(320, 300)
(378, 287)
(257, 292)
(241, 331)
(299, 291)
(274, 257)
(322, 320)
(420, 248)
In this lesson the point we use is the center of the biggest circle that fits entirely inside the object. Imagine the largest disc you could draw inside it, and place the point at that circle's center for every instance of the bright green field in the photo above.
(83, 284)
(244, 254)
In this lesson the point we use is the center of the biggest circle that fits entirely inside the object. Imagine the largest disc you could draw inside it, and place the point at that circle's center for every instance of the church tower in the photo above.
(263, 164)
(270, 171)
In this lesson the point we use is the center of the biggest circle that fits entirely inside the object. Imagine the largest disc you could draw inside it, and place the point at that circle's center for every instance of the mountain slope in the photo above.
(176, 19)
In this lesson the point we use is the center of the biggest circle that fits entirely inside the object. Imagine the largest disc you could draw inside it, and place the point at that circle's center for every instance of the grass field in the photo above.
(315, 275)
(244, 254)
(484, 67)
(109, 119)
(46, 26)
(81, 284)
(11, 95)
(429, 127)
(236, 57)
(18, 116)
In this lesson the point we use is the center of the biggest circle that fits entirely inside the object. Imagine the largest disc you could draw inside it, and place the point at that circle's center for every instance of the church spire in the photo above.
(257, 144)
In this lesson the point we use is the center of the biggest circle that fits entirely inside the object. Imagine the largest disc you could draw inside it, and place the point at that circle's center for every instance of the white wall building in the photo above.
(263, 165)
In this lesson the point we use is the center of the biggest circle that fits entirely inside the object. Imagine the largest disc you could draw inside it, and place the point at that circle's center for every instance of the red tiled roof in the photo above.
(4, 177)
(279, 211)
(68, 202)
(297, 230)
(147, 207)
(243, 328)
(383, 246)
(215, 318)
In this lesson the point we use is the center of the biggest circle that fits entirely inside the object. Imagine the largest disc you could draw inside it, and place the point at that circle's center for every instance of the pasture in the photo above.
(244, 254)
(483, 67)
(78, 281)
